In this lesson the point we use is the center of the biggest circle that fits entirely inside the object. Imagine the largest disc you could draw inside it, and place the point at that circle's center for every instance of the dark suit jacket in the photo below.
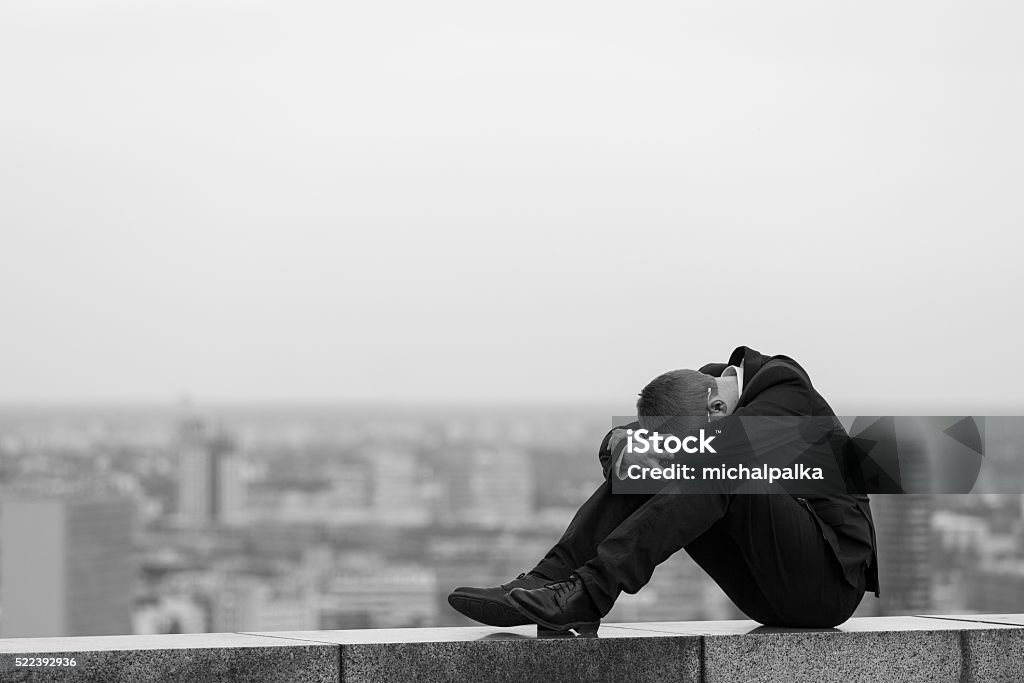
(778, 386)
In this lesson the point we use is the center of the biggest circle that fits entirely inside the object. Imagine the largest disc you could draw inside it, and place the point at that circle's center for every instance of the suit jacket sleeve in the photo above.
(778, 389)
(714, 369)
(605, 454)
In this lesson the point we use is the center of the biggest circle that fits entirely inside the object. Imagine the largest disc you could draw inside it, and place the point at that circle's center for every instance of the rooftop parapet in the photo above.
(921, 648)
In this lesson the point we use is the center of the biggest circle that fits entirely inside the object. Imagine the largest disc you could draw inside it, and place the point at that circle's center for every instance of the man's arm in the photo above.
(610, 452)
(714, 369)
(604, 452)
(780, 390)
(614, 458)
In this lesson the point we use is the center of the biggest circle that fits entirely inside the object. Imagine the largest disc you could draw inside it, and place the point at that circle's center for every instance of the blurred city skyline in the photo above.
(236, 238)
(297, 520)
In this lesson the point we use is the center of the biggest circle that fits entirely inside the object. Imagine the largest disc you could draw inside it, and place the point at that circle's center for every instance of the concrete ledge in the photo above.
(924, 648)
(194, 657)
(871, 649)
(513, 654)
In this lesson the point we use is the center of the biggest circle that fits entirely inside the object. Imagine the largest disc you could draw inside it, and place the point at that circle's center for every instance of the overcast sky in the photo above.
(521, 201)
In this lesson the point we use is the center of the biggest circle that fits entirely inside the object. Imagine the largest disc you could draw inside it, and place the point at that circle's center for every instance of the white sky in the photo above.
(527, 201)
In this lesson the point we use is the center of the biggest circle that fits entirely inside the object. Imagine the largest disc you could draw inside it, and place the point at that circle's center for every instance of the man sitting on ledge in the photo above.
(784, 560)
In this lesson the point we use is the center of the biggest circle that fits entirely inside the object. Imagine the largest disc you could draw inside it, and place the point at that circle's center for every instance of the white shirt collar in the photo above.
(736, 370)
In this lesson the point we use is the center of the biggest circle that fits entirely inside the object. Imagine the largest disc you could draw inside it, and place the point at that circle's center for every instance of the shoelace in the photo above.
(562, 588)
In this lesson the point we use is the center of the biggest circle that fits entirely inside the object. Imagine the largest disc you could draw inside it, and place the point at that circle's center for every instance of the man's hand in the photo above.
(623, 460)
(618, 437)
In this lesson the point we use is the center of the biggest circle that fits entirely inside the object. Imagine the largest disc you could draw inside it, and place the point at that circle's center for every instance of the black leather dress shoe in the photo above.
(558, 606)
(490, 605)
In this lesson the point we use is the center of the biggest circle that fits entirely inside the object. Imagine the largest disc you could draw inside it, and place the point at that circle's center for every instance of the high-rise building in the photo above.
(904, 534)
(903, 522)
(491, 488)
(391, 597)
(250, 603)
(212, 484)
(397, 489)
(68, 566)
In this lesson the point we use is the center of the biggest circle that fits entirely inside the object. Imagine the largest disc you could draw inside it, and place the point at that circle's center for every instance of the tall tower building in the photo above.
(903, 522)
(68, 566)
(903, 529)
(211, 488)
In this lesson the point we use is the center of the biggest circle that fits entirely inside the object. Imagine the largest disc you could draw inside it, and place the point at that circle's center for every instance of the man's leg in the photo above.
(601, 514)
(768, 555)
(765, 550)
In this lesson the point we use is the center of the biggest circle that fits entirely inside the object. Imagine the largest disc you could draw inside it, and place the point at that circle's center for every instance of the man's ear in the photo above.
(719, 406)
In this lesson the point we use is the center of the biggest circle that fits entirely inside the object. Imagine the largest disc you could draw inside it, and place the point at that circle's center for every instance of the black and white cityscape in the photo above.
(292, 294)
(188, 519)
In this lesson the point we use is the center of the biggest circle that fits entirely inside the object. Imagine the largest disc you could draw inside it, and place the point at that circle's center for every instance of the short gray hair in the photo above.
(676, 394)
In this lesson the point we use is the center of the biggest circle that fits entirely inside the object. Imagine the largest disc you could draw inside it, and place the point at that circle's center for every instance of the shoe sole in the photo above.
(581, 627)
(489, 612)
